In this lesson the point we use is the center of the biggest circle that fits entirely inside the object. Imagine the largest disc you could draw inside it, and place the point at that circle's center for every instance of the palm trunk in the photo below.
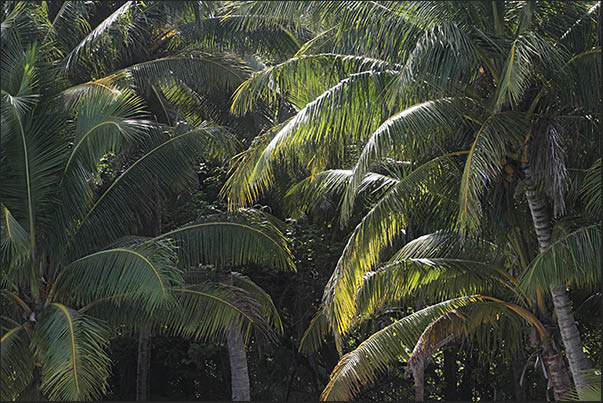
(239, 375)
(418, 373)
(565, 317)
(143, 364)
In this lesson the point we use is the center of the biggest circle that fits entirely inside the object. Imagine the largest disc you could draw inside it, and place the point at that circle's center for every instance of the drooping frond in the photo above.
(166, 163)
(266, 306)
(591, 190)
(315, 334)
(393, 342)
(434, 279)
(243, 237)
(424, 190)
(317, 72)
(326, 185)
(208, 311)
(91, 40)
(14, 245)
(526, 51)
(73, 348)
(573, 259)
(417, 332)
(143, 273)
(415, 129)
(485, 162)
(17, 363)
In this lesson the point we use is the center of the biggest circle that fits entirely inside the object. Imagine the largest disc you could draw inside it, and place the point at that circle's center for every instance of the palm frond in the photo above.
(244, 237)
(393, 342)
(144, 273)
(317, 72)
(573, 259)
(73, 348)
(591, 189)
(166, 163)
(209, 311)
(14, 246)
(413, 130)
(424, 189)
(266, 306)
(485, 162)
(91, 40)
(315, 334)
(17, 363)
(422, 331)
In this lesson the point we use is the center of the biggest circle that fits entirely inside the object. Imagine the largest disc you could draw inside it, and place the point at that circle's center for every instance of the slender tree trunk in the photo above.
(517, 363)
(557, 370)
(418, 373)
(565, 318)
(143, 368)
(239, 375)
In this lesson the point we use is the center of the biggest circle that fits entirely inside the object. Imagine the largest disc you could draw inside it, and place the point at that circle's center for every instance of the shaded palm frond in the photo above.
(315, 334)
(143, 273)
(485, 162)
(17, 363)
(266, 306)
(210, 311)
(591, 189)
(574, 259)
(166, 163)
(73, 348)
(243, 237)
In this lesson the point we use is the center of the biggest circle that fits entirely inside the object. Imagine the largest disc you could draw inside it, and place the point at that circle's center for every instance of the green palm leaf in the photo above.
(144, 273)
(266, 306)
(17, 363)
(224, 240)
(574, 259)
(72, 347)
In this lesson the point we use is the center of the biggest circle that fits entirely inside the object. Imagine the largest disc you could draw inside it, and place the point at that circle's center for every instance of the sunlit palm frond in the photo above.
(73, 348)
(416, 129)
(393, 342)
(317, 72)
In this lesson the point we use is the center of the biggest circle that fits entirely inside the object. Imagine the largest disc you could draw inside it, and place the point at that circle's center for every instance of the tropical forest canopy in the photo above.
(300, 200)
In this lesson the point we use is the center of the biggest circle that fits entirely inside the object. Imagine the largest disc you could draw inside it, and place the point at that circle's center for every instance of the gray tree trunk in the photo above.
(143, 367)
(418, 373)
(565, 318)
(239, 374)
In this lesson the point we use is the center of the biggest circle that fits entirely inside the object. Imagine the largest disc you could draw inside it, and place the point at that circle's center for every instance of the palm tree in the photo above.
(70, 267)
(501, 83)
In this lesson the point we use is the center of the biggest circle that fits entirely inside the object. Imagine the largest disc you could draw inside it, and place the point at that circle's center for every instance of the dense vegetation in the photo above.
(300, 200)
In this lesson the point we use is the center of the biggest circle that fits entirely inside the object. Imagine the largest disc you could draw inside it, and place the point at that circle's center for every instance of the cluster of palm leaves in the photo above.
(107, 106)
(462, 143)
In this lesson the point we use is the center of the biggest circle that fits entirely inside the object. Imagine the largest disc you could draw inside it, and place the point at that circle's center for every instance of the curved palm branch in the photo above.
(575, 258)
(374, 356)
(266, 306)
(246, 236)
(17, 363)
(73, 348)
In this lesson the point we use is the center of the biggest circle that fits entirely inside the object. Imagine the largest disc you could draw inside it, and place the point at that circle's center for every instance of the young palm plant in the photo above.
(501, 85)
